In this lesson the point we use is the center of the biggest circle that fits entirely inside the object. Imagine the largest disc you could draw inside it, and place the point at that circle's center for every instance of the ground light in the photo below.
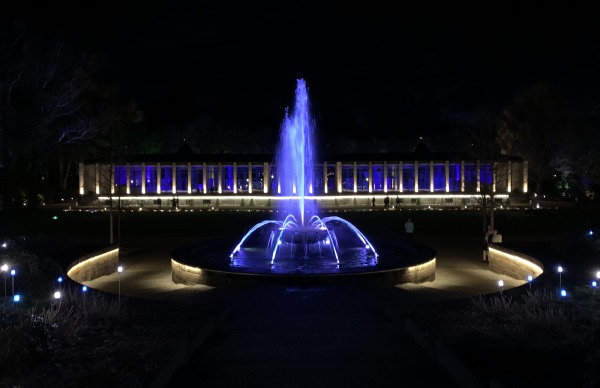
(119, 270)
(57, 297)
(563, 293)
(501, 285)
(529, 280)
(594, 284)
(60, 279)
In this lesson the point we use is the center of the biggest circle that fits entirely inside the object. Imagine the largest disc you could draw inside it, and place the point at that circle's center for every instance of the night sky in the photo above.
(385, 66)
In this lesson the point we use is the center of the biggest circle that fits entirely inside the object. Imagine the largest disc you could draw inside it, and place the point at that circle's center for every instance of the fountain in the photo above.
(301, 244)
(302, 241)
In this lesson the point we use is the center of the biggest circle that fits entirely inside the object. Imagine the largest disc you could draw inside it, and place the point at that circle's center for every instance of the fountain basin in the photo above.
(206, 263)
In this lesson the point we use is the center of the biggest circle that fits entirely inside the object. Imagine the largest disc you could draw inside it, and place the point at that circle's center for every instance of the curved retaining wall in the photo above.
(511, 263)
(186, 274)
(95, 264)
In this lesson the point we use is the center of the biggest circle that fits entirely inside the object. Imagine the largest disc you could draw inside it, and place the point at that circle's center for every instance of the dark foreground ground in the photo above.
(128, 350)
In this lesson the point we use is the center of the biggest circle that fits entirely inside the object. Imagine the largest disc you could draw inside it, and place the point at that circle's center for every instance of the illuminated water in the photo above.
(302, 240)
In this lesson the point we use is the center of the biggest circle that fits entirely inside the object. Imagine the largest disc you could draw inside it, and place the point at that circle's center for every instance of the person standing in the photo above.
(409, 228)
(386, 202)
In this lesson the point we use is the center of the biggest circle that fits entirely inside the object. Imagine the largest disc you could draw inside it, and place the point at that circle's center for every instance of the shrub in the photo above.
(33, 271)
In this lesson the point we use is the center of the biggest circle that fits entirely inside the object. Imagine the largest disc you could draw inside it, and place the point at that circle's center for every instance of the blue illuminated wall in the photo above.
(378, 177)
(197, 186)
(366, 176)
(454, 177)
(439, 177)
(166, 179)
(150, 179)
(135, 179)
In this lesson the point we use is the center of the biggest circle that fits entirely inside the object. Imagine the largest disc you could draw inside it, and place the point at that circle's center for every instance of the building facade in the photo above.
(232, 180)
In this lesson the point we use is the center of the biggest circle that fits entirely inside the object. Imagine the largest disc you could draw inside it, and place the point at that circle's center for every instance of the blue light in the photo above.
(563, 293)
(84, 288)
(594, 284)
(55, 218)
(60, 279)
(590, 232)
(529, 278)
(13, 272)
(16, 298)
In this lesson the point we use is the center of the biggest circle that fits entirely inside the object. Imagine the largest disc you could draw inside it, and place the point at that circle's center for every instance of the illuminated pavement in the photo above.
(297, 337)
(460, 273)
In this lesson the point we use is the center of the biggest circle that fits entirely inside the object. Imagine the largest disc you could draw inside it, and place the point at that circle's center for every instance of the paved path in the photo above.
(460, 272)
(311, 336)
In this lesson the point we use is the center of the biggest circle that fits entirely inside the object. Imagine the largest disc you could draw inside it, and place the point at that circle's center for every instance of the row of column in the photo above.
(338, 178)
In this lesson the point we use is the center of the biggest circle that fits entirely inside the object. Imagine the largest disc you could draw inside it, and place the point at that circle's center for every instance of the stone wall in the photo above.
(511, 263)
(95, 264)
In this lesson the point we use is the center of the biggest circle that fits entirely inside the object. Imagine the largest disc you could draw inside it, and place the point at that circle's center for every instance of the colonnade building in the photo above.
(420, 177)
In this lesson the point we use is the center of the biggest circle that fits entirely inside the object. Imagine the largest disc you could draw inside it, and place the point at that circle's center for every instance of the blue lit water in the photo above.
(301, 242)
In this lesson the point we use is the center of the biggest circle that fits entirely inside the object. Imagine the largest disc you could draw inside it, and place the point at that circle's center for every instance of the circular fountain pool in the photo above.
(209, 263)
(303, 247)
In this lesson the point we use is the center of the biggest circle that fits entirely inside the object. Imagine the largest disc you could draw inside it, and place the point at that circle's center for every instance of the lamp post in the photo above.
(5, 270)
(16, 299)
(501, 285)
(60, 279)
(119, 270)
(560, 270)
(12, 274)
(530, 280)
(84, 290)
(594, 284)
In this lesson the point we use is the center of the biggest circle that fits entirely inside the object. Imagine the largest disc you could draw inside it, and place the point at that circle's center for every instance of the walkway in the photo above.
(311, 336)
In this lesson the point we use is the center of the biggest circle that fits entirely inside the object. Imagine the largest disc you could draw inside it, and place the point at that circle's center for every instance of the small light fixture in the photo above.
(57, 295)
(560, 270)
(16, 298)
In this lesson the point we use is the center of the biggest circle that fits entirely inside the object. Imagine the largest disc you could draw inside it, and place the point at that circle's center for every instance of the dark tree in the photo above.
(535, 126)
(50, 109)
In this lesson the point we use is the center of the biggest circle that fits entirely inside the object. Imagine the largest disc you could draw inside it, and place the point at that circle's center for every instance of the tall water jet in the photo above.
(298, 244)
(301, 240)
(295, 156)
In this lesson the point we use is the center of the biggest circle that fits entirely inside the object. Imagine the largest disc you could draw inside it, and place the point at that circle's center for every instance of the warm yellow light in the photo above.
(535, 269)
(91, 261)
